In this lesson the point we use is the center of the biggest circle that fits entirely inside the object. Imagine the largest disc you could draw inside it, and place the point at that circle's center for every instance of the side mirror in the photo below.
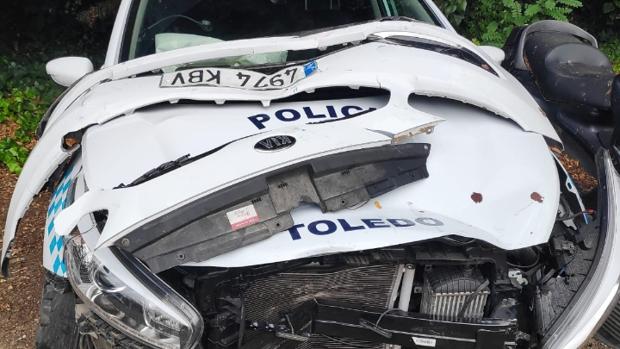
(497, 54)
(67, 70)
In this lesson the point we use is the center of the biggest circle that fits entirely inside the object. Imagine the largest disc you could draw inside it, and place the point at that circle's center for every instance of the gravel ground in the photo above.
(20, 294)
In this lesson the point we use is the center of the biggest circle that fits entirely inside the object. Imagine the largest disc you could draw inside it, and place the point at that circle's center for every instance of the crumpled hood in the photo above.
(398, 69)
(477, 185)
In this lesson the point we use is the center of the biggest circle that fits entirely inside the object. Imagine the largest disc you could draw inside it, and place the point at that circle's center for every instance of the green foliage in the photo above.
(492, 21)
(13, 154)
(455, 10)
(612, 50)
(25, 94)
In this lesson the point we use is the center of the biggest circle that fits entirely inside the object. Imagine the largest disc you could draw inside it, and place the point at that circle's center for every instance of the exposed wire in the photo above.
(585, 214)
(382, 315)
(241, 325)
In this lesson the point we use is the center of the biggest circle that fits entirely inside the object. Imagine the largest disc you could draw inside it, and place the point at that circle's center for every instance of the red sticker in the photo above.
(243, 217)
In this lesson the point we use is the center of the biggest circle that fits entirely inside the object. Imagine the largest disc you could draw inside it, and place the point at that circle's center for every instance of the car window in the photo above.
(163, 25)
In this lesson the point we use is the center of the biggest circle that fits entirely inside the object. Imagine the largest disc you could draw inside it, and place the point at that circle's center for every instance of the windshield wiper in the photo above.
(159, 170)
(175, 164)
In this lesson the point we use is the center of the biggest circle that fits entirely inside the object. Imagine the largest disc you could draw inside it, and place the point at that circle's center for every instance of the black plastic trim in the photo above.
(399, 327)
(322, 181)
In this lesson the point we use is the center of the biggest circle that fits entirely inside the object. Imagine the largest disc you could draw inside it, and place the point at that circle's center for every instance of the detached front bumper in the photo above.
(597, 298)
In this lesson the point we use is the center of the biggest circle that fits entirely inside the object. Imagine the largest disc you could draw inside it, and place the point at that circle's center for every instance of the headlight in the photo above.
(584, 316)
(133, 301)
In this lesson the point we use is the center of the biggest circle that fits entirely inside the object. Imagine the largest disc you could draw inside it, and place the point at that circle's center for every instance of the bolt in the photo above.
(125, 242)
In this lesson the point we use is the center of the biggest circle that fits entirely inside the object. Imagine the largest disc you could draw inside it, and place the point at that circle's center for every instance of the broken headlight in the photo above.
(130, 298)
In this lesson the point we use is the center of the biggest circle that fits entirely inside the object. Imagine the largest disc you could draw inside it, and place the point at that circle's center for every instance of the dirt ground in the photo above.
(20, 294)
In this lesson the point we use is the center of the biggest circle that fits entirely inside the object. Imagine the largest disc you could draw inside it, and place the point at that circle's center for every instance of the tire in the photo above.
(57, 325)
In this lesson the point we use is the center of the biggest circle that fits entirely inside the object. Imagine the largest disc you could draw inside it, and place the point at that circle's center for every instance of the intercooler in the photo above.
(454, 294)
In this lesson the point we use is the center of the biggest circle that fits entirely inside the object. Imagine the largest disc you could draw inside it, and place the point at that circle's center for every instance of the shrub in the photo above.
(25, 94)
(491, 21)
(612, 50)
(455, 10)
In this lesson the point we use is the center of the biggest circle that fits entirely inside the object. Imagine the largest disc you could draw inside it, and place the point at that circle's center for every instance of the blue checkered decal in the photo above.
(53, 256)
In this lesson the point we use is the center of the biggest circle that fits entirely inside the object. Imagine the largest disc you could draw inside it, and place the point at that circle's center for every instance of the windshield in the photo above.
(162, 25)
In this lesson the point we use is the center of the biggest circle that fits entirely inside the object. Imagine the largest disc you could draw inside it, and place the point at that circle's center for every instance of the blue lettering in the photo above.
(294, 115)
(259, 120)
(375, 223)
(347, 227)
(295, 235)
(346, 110)
(311, 115)
(332, 111)
(329, 225)
(400, 223)
(288, 115)
(431, 222)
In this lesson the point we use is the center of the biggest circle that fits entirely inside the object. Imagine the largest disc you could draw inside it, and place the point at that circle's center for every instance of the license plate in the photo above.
(238, 78)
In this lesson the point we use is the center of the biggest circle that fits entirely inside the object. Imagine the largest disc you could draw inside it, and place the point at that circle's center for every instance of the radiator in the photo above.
(368, 286)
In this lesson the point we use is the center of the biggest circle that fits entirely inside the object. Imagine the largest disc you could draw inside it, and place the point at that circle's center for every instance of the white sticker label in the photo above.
(424, 342)
(243, 217)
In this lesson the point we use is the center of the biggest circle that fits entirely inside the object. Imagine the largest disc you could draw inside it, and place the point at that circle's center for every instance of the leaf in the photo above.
(14, 167)
(549, 4)
(532, 10)
(571, 3)
(492, 27)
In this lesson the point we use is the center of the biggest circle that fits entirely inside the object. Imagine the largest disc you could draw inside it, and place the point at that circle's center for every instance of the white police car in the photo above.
(326, 174)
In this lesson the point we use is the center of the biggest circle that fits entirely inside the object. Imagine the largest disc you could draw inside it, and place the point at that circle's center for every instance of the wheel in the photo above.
(57, 325)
